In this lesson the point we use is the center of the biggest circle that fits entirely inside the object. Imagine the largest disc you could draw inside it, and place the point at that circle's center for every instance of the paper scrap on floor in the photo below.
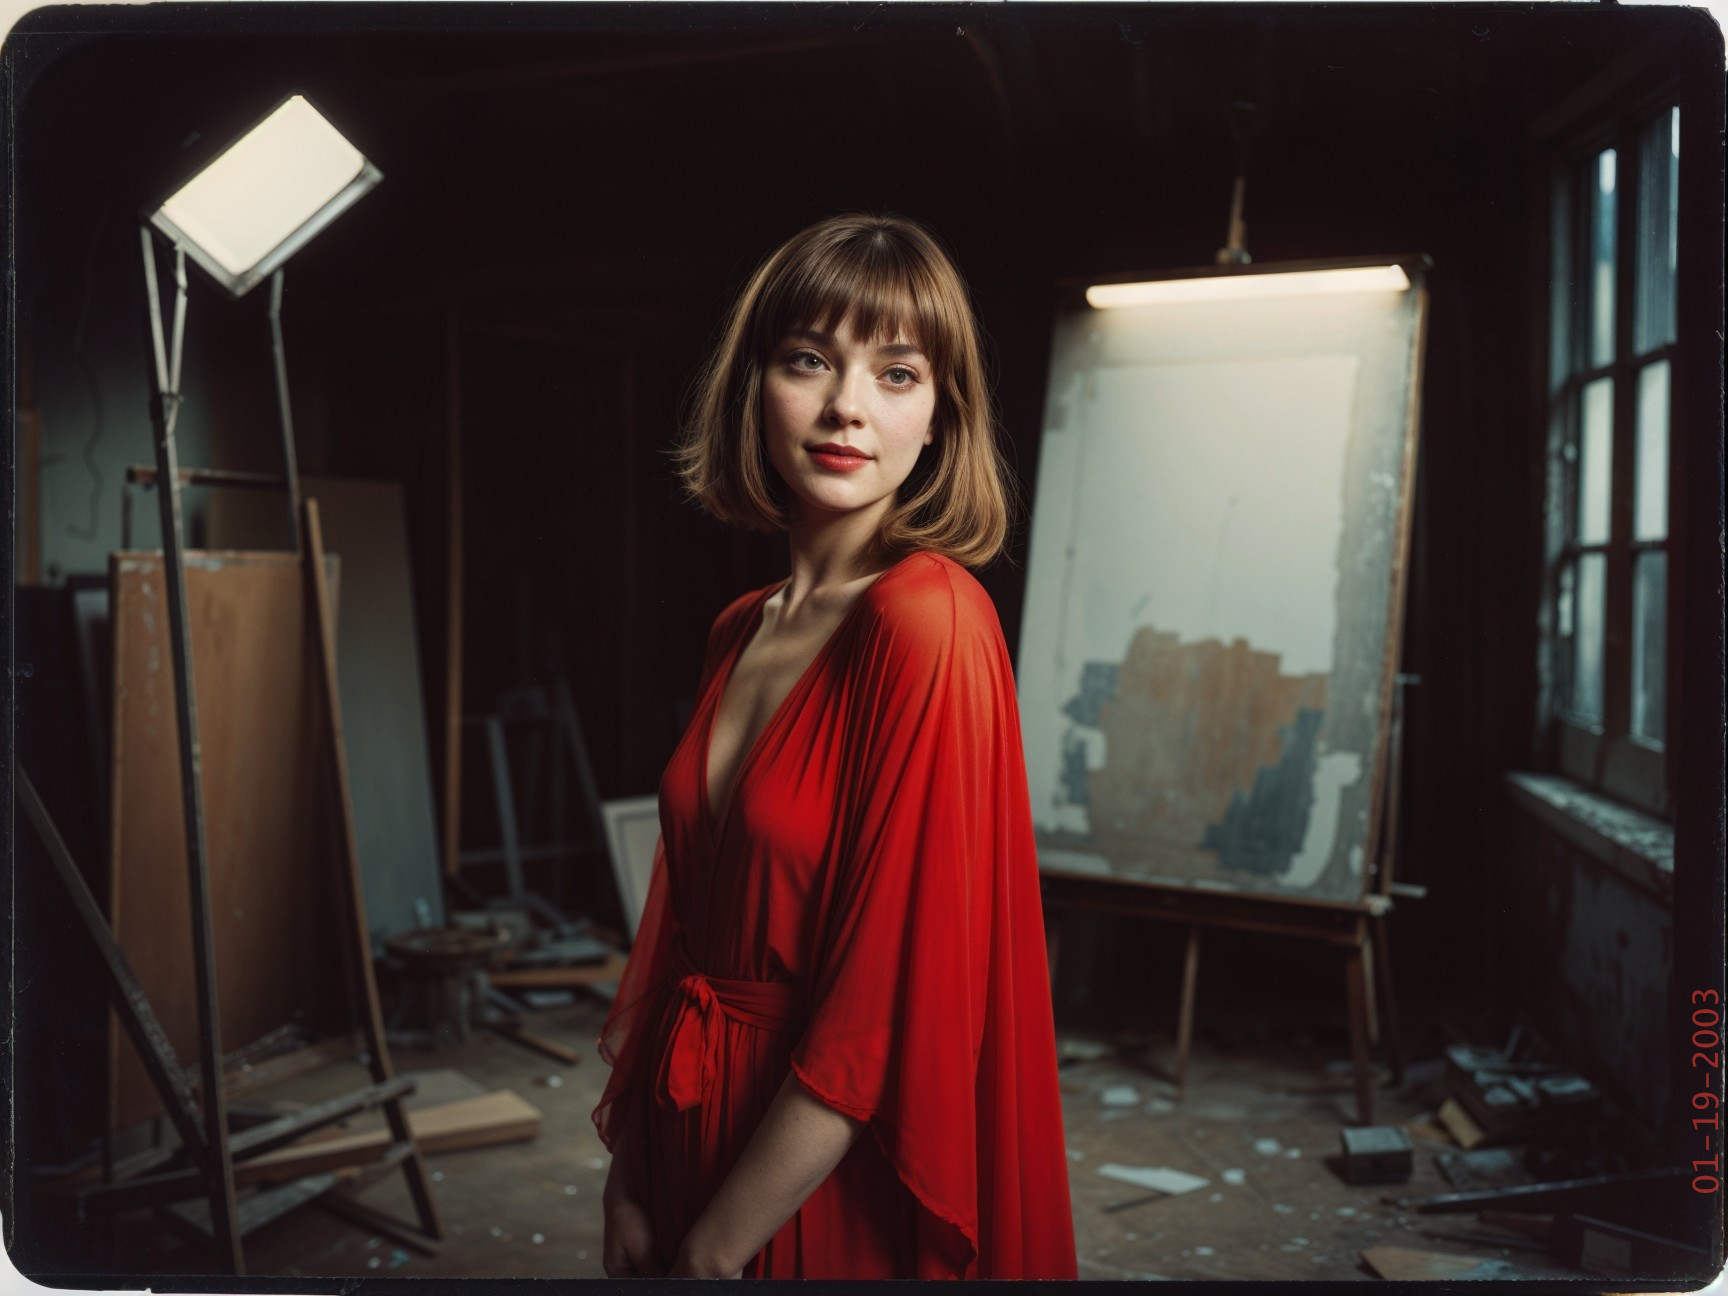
(1157, 1178)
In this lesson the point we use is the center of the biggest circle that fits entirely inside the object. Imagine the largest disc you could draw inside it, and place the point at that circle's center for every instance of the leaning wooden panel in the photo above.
(1215, 583)
(268, 825)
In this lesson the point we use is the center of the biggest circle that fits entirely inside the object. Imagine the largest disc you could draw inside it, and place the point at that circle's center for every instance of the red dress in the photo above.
(866, 913)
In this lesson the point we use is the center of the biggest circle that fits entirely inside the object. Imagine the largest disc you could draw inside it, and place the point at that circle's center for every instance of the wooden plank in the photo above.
(1411, 1265)
(267, 832)
(539, 1043)
(250, 1077)
(498, 1117)
(551, 978)
(351, 888)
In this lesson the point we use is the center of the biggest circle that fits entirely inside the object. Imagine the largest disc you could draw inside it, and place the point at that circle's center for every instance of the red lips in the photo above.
(834, 447)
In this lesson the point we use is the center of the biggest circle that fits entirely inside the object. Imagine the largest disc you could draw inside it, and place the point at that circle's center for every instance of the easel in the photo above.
(1357, 929)
(204, 1165)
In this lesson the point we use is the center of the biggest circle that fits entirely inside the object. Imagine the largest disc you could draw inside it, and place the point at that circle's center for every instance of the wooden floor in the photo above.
(1261, 1117)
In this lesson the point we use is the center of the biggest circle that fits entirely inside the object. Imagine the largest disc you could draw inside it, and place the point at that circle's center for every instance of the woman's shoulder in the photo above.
(932, 596)
(731, 617)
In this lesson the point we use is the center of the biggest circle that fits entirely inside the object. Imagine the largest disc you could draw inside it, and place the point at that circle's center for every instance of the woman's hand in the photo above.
(691, 1265)
(628, 1251)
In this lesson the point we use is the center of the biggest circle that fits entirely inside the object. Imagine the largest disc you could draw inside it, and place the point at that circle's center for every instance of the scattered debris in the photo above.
(596, 1163)
(1120, 1096)
(569, 1190)
(1553, 1195)
(373, 1263)
(1376, 1154)
(549, 1081)
(1075, 1154)
(1410, 1264)
(1603, 1247)
(1081, 1050)
(547, 998)
(1508, 1095)
(398, 1258)
(372, 1243)
(1159, 1106)
(1497, 1167)
(538, 1238)
(1346, 1211)
(1236, 1178)
(1161, 1179)
(1282, 1209)
(1457, 1122)
(1215, 1198)
(1267, 1147)
(1292, 1153)
(1204, 1251)
(1299, 1241)
(437, 1176)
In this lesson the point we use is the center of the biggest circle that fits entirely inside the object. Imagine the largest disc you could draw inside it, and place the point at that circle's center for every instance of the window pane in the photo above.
(1595, 459)
(1560, 281)
(1650, 514)
(1602, 198)
(1658, 231)
(1649, 640)
(1589, 606)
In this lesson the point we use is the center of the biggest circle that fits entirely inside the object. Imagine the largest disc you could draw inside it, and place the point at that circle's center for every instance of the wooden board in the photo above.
(486, 1121)
(552, 978)
(268, 825)
(378, 680)
(1410, 1265)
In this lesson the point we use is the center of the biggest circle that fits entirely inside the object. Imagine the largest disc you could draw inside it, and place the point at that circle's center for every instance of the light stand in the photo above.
(164, 411)
(241, 218)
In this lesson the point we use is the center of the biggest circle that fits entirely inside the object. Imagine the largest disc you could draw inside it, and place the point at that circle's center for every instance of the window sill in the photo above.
(1638, 846)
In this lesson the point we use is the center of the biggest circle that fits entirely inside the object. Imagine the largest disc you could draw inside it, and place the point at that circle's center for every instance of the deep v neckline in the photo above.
(715, 826)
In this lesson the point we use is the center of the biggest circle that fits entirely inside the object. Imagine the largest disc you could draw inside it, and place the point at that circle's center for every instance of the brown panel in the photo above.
(268, 827)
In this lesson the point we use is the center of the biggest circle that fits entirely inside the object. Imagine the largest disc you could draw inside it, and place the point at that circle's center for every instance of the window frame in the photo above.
(1608, 756)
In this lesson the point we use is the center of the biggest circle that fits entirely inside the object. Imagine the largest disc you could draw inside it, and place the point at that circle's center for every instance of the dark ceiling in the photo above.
(616, 163)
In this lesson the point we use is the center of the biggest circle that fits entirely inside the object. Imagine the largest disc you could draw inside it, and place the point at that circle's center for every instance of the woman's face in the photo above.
(844, 418)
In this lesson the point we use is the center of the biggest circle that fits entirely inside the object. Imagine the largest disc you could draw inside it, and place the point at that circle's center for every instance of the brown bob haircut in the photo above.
(887, 276)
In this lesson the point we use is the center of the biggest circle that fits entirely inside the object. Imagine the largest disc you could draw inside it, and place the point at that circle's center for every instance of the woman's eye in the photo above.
(901, 377)
(797, 359)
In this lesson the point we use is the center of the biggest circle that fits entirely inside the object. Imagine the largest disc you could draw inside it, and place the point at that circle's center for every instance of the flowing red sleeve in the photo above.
(623, 1037)
(930, 1011)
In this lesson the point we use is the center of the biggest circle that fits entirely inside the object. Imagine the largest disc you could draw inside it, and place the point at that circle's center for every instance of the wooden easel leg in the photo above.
(351, 888)
(1185, 1018)
(1356, 992)
(1391, 1041)
(1052, 943)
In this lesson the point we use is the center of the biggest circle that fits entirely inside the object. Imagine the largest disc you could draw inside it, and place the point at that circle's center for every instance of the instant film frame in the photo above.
(1215, 583)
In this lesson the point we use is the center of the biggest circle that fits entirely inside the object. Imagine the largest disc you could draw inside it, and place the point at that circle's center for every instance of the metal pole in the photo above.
(164, 407)
(285, 415)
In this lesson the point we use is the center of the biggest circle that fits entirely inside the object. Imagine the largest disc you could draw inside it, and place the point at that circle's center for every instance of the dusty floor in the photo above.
(1260, 1120)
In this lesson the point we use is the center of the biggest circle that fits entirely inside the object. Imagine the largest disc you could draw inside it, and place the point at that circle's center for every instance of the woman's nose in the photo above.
(846, 400)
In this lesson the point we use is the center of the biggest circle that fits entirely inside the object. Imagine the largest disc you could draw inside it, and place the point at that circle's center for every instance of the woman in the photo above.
(832, 1048)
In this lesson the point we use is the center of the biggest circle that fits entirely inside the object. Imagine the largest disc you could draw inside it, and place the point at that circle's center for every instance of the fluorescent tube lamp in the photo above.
(265, 196)
(1245, 287)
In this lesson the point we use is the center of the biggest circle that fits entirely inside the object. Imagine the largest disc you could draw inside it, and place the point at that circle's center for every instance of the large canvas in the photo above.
(1214, 588)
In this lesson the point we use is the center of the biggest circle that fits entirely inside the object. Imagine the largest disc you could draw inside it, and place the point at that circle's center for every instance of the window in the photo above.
(1611, 345)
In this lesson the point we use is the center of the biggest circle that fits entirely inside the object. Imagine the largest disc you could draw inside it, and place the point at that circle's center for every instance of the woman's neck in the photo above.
(830, 552)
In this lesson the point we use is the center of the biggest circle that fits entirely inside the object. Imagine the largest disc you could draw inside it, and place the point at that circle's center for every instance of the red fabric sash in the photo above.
(690, 1062)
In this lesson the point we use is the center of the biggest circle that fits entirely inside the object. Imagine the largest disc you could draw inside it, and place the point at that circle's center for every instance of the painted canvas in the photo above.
(1214, 588)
